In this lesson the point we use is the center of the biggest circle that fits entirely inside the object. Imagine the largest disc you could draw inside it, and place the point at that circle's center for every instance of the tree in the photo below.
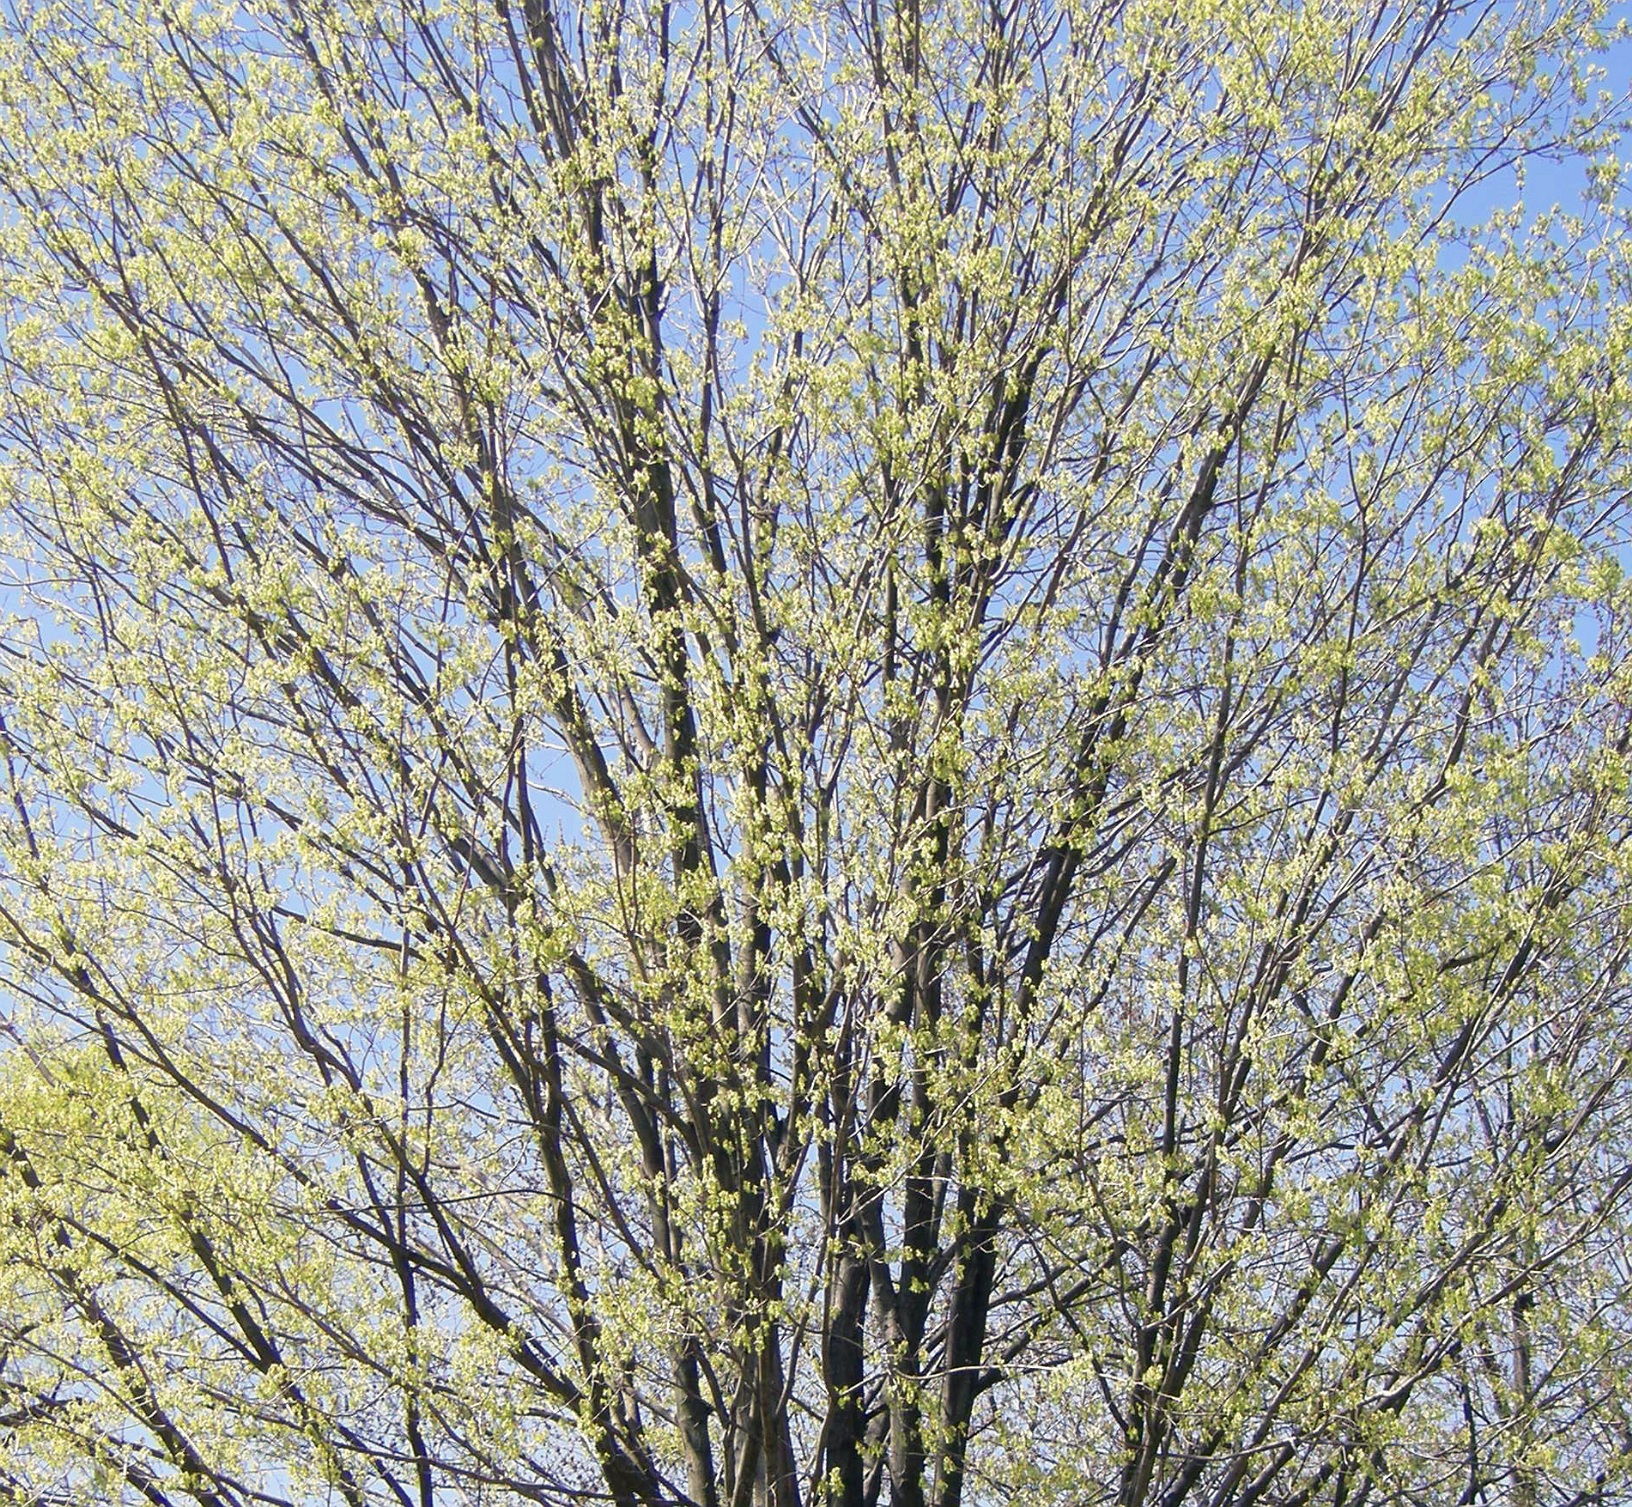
(814, 754)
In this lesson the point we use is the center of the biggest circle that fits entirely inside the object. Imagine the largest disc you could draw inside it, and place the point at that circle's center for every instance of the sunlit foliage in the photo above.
(781, 754)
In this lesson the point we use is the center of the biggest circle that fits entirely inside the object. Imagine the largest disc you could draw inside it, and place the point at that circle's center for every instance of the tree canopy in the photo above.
(762, 755)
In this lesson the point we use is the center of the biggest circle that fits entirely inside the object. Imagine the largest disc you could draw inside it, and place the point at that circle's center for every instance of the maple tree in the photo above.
(813, 754)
